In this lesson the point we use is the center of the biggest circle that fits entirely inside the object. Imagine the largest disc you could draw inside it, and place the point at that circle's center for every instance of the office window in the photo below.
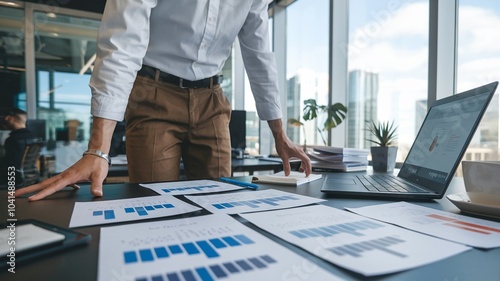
(478, 60)
(252, 124)
(227, 82)
(64, 52)
(307, 58)
(12, 61)
(387, 63)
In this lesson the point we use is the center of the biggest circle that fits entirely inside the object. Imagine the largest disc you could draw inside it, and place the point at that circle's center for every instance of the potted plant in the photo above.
(336, 113)
(384, 153)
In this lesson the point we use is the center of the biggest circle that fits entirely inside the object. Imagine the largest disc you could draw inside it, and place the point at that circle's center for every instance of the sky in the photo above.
(390, 37)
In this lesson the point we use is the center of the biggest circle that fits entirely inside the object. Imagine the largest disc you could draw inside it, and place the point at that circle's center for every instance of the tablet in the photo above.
(27, 239)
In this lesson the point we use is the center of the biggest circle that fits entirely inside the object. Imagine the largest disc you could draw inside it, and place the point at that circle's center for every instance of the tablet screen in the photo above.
(24, 237)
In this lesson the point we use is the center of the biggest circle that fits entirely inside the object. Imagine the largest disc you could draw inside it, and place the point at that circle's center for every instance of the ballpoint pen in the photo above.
(240, 183)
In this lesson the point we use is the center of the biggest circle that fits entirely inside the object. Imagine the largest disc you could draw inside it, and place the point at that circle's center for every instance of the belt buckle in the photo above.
(181, 84)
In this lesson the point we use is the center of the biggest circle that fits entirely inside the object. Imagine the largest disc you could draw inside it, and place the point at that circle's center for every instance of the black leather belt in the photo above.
(150, 72)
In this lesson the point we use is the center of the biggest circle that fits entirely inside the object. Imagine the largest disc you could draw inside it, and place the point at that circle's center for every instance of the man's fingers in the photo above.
(96, 188)
(286, 167)
(57, 185)
(306, 166)
(36, 187)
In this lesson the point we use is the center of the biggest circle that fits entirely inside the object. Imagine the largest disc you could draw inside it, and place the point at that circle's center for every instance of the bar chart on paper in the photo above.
(454, 227)
(359, 244)
(209, 247)
(190, 187)
(241, 202)
(113, 211)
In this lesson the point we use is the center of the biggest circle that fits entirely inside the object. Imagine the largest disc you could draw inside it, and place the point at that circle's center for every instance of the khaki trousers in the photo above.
(166, 122)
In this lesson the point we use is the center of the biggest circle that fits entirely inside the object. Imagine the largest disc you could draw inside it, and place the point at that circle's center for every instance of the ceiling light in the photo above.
(10, 4)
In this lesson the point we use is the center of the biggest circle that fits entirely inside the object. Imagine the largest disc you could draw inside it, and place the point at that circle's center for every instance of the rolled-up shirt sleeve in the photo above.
(260, 62)
(121, 45)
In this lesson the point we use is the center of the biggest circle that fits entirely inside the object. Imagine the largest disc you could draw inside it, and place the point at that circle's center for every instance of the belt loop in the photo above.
(157, 75)
(211, 83)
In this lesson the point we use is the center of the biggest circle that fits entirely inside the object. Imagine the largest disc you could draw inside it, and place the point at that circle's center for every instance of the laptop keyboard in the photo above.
(385, 183)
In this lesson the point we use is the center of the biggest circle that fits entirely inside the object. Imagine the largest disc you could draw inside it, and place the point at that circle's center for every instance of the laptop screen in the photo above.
(444, 136)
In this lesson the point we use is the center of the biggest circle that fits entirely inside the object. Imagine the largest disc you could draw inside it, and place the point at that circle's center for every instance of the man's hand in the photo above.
(287, 149)
(89, 168)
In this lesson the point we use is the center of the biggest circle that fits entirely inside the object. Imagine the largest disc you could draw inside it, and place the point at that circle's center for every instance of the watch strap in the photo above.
(98, 153)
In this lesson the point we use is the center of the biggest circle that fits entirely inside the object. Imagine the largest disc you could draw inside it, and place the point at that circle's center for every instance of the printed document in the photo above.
(354, 242)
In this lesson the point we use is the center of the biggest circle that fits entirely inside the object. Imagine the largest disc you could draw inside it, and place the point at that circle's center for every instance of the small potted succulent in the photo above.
(385, 152)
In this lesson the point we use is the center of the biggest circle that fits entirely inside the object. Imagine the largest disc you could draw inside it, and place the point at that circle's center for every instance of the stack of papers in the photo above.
(295, 178)
(330, 159)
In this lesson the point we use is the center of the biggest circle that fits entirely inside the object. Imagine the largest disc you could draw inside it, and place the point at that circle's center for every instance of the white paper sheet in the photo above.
(252, 201)
(454, 227)
(190, 187)
(357, 243)
(113, 211)
(209, 247)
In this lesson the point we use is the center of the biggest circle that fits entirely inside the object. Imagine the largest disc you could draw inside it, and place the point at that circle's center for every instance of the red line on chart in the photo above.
(478, 226)
(465, 225)
(440, 217)
(467, 228)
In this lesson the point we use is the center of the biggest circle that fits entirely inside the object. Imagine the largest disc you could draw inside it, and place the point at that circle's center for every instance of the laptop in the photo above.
(431, 163)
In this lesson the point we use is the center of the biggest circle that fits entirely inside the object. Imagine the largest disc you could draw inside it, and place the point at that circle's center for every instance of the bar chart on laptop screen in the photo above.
(252, 201)
(201, 248)
(357, 243)
(113, 211)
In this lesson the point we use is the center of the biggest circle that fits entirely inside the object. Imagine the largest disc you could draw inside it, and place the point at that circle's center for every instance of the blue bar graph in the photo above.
(143, 210)
(255, 203)
(175, 249)
(146, 255)
(352, 228)
(207, 247)
(140, 210)
(198, 188)
(190, 248)
(216, 271)
(217, 243)
(161, 252)
(108, 214)
(356, 249)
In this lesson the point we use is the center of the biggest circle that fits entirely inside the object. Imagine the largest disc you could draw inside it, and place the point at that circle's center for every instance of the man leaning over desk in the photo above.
(157, 65)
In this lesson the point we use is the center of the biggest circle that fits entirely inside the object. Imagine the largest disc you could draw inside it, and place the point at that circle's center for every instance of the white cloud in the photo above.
(478, 31)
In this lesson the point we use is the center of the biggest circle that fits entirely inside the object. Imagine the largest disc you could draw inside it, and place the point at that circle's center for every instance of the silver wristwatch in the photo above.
(98, 153)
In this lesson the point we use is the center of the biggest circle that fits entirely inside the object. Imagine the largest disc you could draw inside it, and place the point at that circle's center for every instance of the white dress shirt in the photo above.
(191, 39)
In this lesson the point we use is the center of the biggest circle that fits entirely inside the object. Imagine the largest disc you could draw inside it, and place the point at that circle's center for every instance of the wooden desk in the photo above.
(81, 263)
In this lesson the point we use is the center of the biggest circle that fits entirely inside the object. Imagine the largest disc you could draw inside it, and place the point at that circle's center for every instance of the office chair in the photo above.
(28, 173)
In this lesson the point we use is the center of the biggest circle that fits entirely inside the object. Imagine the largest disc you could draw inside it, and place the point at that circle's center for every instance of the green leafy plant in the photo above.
(384, 132)
(336, 113)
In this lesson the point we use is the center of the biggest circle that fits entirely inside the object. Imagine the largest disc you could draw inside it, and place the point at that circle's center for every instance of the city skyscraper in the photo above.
(362, 106)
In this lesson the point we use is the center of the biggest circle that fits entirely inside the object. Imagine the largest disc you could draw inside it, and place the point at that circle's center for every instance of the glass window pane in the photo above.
(12, 61)
(253, 122)
(307, 35)
(478, 60)
(387, 63)
(64, 52)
